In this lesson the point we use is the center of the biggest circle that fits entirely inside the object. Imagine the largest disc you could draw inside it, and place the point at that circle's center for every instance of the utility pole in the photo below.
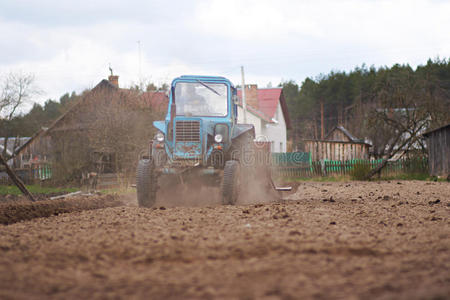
(316, 135)
(244, 104)
(322, 132)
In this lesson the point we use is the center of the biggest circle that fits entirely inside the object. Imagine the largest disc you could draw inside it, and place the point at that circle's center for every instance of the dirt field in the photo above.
(355, 240)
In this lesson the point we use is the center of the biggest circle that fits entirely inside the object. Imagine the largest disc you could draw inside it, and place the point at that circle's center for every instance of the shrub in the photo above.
(360, 170)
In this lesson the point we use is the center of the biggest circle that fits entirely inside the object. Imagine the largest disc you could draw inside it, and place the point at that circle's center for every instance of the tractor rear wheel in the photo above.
(231, 182)
(146, 183)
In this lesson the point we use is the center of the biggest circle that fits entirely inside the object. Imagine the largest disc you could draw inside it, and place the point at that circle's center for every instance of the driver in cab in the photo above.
(189, 102)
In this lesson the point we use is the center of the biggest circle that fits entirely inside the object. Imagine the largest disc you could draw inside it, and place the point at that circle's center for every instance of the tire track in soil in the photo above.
(13, 212)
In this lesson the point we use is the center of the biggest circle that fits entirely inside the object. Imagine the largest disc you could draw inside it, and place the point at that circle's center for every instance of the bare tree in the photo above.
(16, 90)
(121, 129)
(105, 132)
(407, 105)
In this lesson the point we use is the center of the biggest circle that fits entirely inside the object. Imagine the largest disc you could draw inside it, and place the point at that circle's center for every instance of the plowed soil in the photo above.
(355, 240)
(21, 209)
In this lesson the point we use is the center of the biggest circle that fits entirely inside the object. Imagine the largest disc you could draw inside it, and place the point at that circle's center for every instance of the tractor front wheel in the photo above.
(231, 182)
(146, 183)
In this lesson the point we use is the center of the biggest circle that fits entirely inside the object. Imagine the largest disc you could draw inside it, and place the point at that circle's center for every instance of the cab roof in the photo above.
(203, 78)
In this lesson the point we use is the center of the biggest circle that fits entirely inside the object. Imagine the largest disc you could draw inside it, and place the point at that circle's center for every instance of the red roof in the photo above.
(259, 113)
(268, 102)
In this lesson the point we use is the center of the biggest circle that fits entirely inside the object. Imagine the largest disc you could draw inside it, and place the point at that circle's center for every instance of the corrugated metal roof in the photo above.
(433, 130)
(345, 131)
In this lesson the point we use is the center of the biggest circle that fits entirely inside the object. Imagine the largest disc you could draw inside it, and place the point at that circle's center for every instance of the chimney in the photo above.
(114, 80)
(251, 95)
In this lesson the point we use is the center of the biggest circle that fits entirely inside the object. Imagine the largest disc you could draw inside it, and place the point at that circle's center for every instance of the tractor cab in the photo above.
(200, 121)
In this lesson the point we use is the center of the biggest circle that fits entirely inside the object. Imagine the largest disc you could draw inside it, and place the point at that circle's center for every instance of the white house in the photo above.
(267, 111)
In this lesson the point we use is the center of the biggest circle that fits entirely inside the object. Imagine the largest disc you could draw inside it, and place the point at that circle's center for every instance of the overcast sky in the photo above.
(68, 45)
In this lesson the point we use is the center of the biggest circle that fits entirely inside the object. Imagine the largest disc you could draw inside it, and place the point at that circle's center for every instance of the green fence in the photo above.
(298, 164)
(291, 164)
(291, 158)
(41, 172)
(36, 173)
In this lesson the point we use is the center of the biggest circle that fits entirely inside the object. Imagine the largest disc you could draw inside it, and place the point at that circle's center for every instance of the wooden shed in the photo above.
(438, 144)
(339, 144)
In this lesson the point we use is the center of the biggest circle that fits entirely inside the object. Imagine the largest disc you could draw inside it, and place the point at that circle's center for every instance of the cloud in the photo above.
(299, 38)
(260, 20)
(50, 13)
(69, 45)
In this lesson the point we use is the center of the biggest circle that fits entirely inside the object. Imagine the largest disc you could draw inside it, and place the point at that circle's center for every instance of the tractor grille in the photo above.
(187, 131)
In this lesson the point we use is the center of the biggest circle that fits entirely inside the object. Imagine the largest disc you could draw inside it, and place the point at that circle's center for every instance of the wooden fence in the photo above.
(342, 168)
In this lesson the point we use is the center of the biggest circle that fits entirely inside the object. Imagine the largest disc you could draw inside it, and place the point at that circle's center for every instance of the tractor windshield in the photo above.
(201, 99)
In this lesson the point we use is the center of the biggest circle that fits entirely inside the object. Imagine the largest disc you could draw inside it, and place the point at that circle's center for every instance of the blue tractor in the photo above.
(200, 138)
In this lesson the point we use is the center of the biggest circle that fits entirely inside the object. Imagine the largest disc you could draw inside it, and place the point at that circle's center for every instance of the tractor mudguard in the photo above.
(239, 129)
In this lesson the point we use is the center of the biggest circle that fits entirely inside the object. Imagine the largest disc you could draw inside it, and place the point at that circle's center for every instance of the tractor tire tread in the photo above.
(146, 183)
(229, 182)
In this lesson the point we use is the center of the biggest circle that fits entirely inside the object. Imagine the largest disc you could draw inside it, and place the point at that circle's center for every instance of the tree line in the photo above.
(26, 124)
(389, 106)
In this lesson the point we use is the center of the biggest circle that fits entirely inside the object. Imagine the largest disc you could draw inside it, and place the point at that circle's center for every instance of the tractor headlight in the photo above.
(218, 138)
(160, 137)
(221, 133)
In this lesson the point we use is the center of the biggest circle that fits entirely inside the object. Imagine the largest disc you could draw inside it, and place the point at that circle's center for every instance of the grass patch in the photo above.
(343, 178)
(360, 171)
(34, 189)
(406, 176)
